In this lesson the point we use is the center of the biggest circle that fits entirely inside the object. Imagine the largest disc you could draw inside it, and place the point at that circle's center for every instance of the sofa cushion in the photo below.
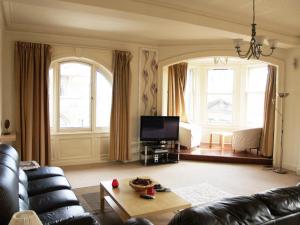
(60, 213)
(52, 200)
(23, 205)
(9, 150)
(47, 184)
(231, 211)
(281, 201)
(23, 193)
(138, 221)
(9, 162)
(9, 200)
(43, 172)
(23, 178)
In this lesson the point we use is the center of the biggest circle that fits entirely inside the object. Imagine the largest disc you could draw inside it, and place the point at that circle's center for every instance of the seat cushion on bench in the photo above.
(281, 201)
(52, 200)
(47, 184)
(43, 172)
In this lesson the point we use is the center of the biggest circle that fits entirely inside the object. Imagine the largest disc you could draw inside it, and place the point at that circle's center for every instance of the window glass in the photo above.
(103, 100)
(75, 95)
(257, 79)
(255, 95)
(219, 96)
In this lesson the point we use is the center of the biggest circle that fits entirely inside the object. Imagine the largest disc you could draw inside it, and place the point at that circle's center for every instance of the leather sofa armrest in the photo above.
(83, 219)
(138, 221)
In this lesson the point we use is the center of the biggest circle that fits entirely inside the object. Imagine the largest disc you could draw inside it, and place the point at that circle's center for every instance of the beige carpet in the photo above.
(232, 178)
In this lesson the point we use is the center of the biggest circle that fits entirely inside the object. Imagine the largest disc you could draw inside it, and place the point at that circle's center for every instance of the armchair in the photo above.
(246, 139)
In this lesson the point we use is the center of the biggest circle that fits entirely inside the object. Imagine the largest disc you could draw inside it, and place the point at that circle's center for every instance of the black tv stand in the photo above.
(158, 152)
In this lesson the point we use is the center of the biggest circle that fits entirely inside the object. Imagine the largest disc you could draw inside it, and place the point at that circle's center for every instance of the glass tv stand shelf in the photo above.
(152, 153)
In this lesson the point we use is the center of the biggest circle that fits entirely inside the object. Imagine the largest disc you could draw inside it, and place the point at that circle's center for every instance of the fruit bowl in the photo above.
(140, 184)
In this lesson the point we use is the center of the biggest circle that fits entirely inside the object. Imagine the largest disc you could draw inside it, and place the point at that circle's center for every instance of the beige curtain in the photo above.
(177, 75)
(267, 139)
(31, 68)
(119, 125)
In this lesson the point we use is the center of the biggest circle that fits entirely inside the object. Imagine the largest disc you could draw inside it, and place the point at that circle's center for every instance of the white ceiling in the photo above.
(156, 21)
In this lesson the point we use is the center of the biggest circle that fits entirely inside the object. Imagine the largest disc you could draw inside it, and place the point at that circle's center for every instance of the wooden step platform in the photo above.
(226, 155)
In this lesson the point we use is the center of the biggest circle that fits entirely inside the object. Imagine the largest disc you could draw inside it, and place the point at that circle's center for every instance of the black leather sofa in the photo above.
(44, 190)
(275, 207)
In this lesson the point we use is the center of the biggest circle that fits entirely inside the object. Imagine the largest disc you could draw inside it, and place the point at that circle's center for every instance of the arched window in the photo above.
(80, 96)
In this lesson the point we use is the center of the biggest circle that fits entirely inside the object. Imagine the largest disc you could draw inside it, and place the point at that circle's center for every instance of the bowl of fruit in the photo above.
(140, 184)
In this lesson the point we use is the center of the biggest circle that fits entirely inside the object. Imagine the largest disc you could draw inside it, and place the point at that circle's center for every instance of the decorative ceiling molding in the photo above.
(149, 8)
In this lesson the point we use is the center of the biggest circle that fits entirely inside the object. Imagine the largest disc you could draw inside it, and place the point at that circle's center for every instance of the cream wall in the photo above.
(82, 148)
(292, 112)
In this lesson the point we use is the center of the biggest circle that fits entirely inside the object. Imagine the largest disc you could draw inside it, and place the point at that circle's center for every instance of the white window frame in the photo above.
(56, 129)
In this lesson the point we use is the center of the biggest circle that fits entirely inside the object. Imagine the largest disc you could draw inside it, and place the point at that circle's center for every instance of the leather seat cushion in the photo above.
(52, 200)
(281, 201)
(61, 214)
(138, 221)
(8, 150)
(23, 178)
(47, 184)
(23, 205)
(9, 162)
(9, 200)
(23, 194)
(43, 172)
(231, 211)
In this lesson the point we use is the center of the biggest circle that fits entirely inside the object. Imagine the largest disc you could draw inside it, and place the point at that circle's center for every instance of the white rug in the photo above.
(201, 193)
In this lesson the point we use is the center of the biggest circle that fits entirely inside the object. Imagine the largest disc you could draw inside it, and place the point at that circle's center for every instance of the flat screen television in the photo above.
(159, 128)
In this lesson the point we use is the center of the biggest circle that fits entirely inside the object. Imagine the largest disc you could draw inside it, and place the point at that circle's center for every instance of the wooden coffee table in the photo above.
(127, 203)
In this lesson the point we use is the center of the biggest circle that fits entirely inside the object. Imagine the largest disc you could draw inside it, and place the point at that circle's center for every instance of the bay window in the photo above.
(230, 96)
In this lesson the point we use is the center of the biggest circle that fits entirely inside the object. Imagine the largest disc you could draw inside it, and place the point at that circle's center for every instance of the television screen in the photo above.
(158, 128)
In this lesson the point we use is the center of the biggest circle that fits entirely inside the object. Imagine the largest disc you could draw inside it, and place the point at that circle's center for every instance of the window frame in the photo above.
(55, 65)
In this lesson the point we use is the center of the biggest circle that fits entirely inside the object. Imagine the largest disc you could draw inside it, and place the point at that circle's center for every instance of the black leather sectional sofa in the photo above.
(275, 207)
(44, 190)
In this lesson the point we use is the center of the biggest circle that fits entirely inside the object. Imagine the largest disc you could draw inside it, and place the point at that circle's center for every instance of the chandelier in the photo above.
(256, 43)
